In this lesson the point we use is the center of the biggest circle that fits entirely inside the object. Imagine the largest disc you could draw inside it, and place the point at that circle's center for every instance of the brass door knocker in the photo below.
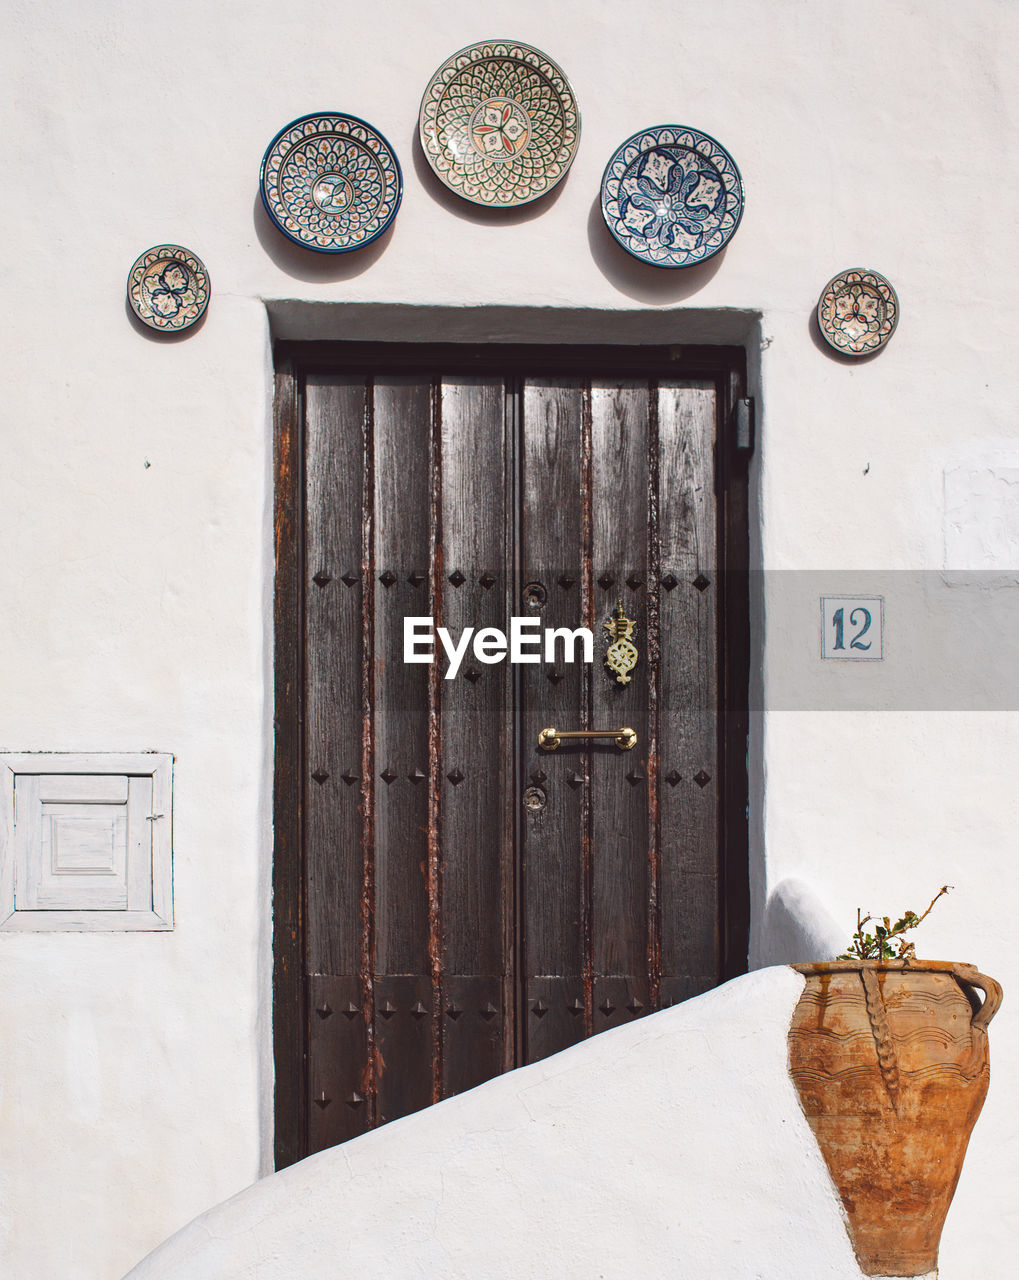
(621, 656)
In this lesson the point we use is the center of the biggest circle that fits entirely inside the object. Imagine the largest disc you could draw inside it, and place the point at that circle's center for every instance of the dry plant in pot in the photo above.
(889, 1057)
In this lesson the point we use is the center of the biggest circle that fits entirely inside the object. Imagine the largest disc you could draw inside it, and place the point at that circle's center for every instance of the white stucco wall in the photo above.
(627, 1155)
(135, 487)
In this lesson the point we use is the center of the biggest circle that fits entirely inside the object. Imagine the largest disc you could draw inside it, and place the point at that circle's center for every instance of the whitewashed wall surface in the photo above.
(136, 492)
(628, 1155)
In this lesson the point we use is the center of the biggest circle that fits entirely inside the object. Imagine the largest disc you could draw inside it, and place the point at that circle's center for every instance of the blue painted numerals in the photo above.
(858, 615)
(852, 627)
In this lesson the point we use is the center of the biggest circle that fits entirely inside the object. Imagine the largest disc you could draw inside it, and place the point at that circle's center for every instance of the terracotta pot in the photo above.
(890, 1062)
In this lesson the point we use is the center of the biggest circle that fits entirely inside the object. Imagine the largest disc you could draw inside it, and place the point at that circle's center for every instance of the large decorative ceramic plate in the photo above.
(672, 196)
(168, 288)
(499, 124)
(331, 182)
(858, 312)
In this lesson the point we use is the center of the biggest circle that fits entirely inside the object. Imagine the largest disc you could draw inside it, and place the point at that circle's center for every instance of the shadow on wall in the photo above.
(798, 927)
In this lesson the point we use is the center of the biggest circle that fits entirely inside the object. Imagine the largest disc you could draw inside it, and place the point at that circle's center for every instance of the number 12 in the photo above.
(838, 622)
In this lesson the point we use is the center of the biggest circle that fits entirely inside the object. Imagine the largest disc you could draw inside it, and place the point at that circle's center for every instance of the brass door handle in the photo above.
(549, 739)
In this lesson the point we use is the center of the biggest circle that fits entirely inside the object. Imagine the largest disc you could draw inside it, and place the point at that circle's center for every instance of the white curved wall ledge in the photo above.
(798, 927)
(671, 1147)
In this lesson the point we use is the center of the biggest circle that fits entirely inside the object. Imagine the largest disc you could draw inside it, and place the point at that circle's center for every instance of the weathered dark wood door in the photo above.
(451, 900)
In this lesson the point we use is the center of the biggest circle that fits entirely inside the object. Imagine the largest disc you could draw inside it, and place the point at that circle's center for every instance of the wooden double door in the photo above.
(450, 899)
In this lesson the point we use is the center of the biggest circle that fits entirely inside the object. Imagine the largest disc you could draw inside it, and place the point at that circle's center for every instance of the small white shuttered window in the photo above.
(86, 842)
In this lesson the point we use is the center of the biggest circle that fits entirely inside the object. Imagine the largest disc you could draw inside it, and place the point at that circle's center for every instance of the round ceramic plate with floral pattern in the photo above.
(168, 288)
(858, 312)
(499, 124)
(672, 196)
(331, 182)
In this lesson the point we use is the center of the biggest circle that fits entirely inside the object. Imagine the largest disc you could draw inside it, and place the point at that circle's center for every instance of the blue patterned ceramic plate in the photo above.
(672, 196)
(499, 124)
(331, 182)
(168, 288)
(858, 312)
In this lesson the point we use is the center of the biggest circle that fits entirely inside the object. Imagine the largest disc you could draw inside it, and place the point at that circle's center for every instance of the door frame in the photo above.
(293, 361)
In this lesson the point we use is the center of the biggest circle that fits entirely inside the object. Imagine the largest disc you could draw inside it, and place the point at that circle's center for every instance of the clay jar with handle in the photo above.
(890, 1061)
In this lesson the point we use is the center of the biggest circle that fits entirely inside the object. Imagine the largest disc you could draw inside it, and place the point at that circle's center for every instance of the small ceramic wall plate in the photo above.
(168, 288)
(858, 312)
(331, 182)
(499, 124)
(672, 196)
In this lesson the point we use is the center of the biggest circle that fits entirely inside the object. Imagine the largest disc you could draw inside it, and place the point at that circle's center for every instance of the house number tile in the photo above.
(853, 628)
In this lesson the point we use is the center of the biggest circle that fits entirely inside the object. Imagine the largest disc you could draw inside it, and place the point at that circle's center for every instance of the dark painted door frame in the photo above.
(725, 366)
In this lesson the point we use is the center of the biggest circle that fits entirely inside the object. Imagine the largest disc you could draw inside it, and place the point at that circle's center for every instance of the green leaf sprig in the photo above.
(887, 941)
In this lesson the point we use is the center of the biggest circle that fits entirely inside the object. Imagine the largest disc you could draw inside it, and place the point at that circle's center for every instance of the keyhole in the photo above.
(534, 799)
(535, 595)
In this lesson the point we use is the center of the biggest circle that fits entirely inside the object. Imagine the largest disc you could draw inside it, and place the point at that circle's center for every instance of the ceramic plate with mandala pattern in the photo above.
(331, 182)
(672, 196)
(499, 124)
(168, 288)
(858, 312)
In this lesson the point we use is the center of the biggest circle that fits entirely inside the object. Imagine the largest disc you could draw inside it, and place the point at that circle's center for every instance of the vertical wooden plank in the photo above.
(289, 1044)
(28, 837)
(403, 1037)
(474, 1027)
(619, 780)
(587, 610)
(435, 771)
(335, 411)
(553, 696)
(337, 1061)
(475, 730)
(336, 842)
(162, 886)
(401, 415)
(368, 792)
(734, 647)
(139, 838)
(654, 773)
(688, 756)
